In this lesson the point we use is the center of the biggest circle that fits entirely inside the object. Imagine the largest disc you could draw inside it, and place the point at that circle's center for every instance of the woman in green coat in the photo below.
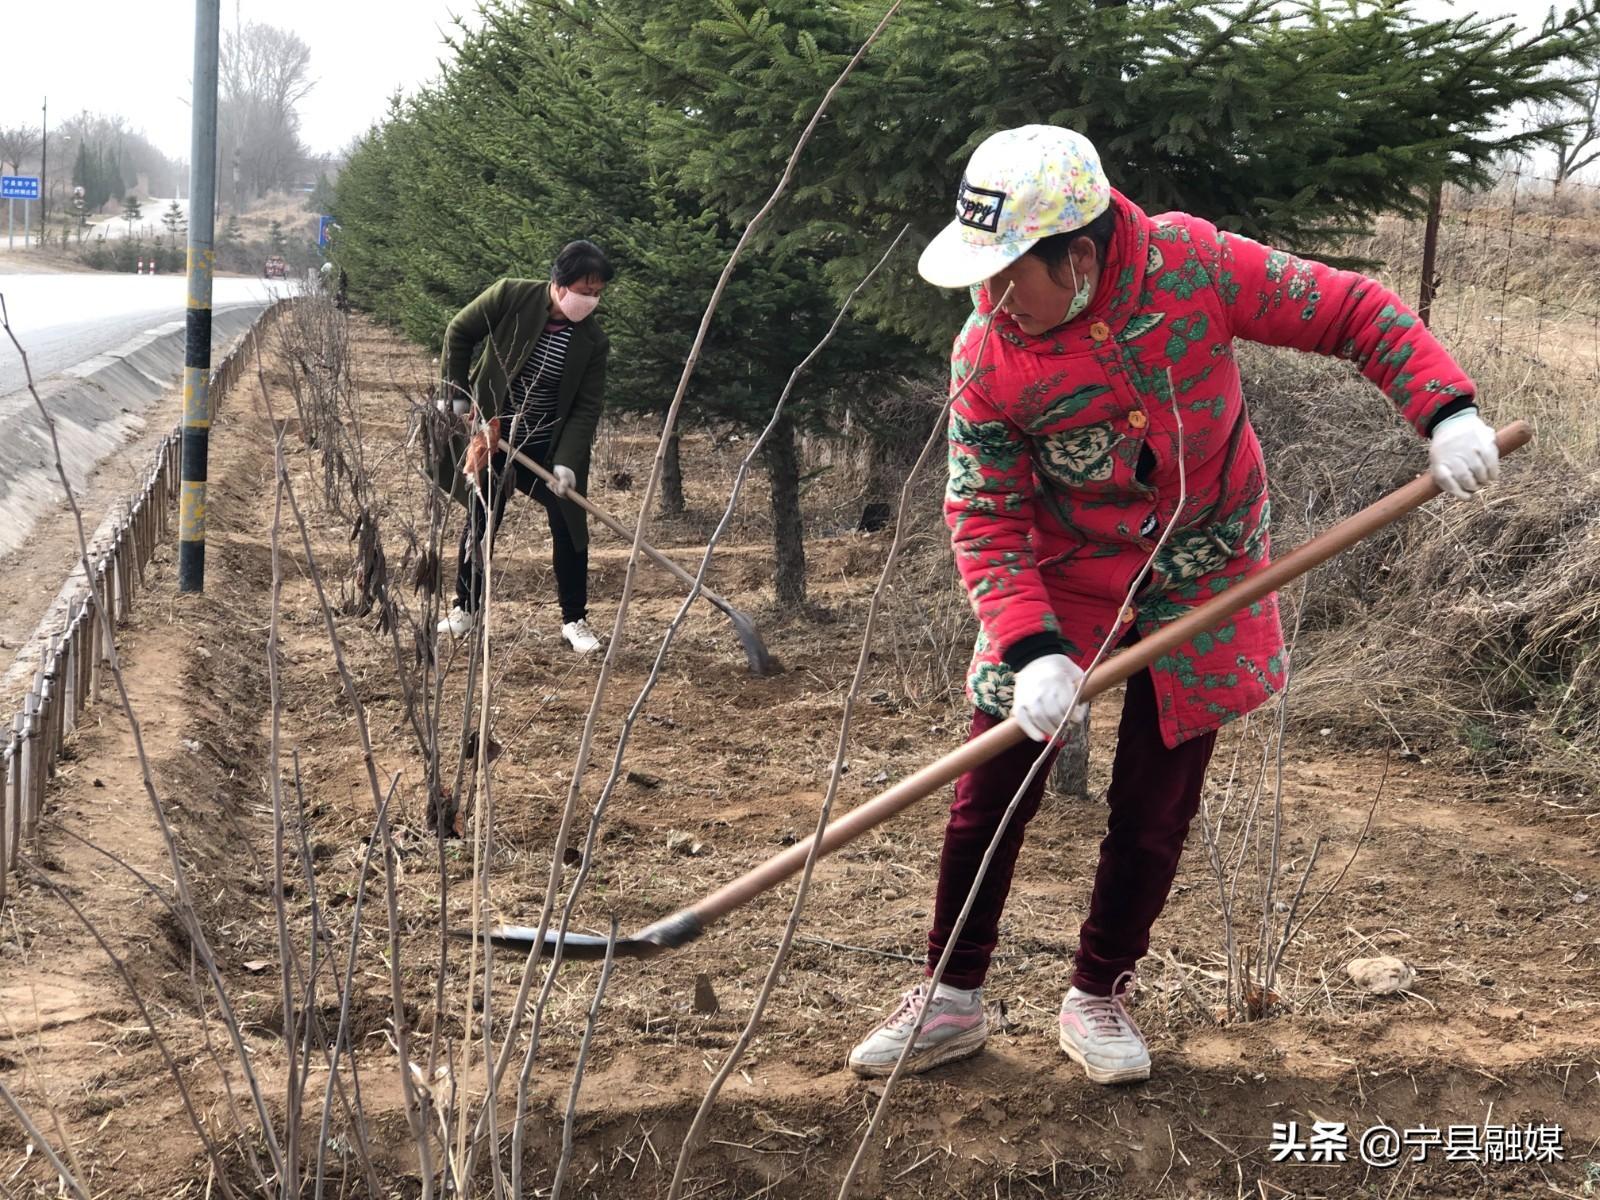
(526, 363)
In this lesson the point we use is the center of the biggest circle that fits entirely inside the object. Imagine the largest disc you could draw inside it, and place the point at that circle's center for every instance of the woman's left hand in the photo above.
(1464, 455)
(565, 480)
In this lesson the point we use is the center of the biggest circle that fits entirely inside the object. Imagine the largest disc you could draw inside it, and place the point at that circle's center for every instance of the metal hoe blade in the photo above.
(679, 929)
(755, 650)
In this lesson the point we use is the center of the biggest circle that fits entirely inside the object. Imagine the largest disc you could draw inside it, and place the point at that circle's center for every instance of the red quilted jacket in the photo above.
(1064, 454)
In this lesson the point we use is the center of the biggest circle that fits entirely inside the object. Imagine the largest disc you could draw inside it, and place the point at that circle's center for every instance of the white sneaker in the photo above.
(953, 1030)
(579, 636)
(459, 623)
(1098, 1034)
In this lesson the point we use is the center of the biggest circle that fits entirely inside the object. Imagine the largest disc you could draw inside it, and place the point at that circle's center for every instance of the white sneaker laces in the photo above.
(1107, 1016)
(910, 1008)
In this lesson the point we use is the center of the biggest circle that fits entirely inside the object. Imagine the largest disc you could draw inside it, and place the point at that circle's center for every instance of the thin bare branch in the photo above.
(68, 1179)
(212, 1153)
(583, 1061)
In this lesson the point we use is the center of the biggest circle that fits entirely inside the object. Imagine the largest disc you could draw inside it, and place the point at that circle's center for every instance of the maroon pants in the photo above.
(1154, 794)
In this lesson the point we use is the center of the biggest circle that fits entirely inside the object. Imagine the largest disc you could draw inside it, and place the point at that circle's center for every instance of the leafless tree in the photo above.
(265, 73)
(1577, 146)
(18, 144)
(118, 148)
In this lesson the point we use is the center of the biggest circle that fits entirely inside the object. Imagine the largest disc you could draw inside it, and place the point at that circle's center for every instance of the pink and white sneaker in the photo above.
(953, 1030)
(1098, 1034)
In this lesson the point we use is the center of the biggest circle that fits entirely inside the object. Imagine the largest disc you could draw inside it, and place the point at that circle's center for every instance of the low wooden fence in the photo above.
(72, 670)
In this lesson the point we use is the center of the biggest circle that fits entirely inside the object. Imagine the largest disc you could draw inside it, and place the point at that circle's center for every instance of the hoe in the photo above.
(682, 927)
(755, 650)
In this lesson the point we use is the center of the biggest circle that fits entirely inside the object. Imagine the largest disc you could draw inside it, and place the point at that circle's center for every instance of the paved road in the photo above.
(65, 319)
(149, 224)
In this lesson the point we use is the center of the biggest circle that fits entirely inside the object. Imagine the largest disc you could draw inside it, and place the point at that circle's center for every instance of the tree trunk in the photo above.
(886, 473)
(671, 479)
(788, 529)
(1070, 776)
(1430, 251)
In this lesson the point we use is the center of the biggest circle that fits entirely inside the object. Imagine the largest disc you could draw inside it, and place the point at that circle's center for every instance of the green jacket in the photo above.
(486, 346)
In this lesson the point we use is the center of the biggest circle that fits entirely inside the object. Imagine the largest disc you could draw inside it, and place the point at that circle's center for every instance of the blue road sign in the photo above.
(325, 224)
(19, 187)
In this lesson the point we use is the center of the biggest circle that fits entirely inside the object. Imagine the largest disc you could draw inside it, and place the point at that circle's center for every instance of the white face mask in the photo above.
(1080, 295)
(576, 305)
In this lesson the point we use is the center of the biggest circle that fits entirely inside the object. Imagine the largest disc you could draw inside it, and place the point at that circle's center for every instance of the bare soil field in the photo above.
(1490, 889)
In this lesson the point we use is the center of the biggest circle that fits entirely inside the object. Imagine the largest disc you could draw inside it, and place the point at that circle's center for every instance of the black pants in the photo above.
(571, 564)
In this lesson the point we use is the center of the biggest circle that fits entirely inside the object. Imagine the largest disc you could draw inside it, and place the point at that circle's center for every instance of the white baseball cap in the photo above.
(1020, 185)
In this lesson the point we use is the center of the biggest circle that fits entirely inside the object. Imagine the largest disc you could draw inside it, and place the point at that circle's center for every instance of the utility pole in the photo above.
(44, 175)
(202, 261)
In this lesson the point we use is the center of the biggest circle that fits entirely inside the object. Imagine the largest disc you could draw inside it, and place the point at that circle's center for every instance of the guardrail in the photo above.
(72, 670)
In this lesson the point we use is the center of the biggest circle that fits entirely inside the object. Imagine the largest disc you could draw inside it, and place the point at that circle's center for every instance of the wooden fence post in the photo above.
(69, 677)
(119, 563)
(49, 707)
(85, 654)
(100, 650)
(5, 819)
(30, 761)
(16, 783)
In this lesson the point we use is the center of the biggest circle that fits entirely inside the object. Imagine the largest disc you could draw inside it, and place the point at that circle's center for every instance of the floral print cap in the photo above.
(1020, 185)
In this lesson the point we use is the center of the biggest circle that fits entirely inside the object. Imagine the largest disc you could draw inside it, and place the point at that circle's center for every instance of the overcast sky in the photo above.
(137, 59)
(110, 56)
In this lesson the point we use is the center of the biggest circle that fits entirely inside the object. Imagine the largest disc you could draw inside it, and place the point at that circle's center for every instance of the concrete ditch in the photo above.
(99, 407)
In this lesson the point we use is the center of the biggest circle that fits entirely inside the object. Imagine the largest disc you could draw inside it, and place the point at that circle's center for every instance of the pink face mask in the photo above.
(576, 305)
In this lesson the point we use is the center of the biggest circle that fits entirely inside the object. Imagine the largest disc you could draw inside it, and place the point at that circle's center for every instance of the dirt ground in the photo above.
(1489, 889)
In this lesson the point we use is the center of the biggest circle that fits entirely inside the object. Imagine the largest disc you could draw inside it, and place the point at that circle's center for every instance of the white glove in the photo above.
(564, 479)
(1463, 456)
(1044, 689)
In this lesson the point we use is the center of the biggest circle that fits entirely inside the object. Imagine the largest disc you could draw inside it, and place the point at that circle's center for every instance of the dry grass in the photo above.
(1471, 628)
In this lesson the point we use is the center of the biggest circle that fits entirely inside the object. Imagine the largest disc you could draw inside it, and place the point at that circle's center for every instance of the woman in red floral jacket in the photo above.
(1065, 445)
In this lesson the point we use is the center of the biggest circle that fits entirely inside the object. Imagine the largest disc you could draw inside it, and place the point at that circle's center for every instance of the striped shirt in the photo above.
(533, 392)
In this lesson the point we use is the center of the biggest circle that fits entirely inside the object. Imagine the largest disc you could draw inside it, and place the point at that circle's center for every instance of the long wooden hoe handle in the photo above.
(1108, 674)
(611, 523)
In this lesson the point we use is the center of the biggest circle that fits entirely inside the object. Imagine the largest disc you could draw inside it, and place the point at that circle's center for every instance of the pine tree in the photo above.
(80, 168)
(96, 183)
(113, 179)
(174, 220)
(453, 192)
(131, 211)
(277, 238)
(230, 243)
(90, 172)
(657, 127)
(321, 198)
(1292, 126)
